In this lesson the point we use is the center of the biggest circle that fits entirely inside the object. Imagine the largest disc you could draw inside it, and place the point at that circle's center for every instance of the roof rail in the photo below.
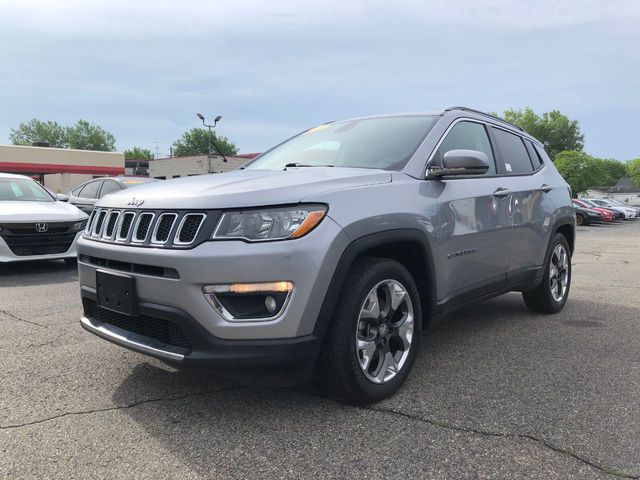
(466, 109)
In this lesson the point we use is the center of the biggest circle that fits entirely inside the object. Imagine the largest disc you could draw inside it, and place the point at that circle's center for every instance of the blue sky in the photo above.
(143, 69)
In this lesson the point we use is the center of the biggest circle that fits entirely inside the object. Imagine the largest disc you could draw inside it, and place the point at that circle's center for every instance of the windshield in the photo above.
(385, 143)
(22, 190)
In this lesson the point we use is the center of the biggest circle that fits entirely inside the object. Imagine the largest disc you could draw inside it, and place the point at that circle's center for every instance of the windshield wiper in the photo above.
(303, 165)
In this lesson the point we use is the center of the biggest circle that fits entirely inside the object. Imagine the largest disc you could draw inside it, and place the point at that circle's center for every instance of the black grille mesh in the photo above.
(143, 226)
(100, 221)
(164, 227)
(125, 226)
(190, 228)
(152, 327)
(111, 223)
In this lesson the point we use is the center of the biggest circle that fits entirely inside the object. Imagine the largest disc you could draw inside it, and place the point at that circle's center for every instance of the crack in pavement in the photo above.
(117, 407)
(11, 315)
(449, 426)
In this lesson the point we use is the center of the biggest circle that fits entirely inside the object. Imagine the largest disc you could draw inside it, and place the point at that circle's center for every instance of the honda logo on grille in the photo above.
(136, 202)
(41, 227)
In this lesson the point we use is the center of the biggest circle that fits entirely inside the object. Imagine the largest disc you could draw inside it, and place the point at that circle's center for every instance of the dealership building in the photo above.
(60, 169)
(175, 167)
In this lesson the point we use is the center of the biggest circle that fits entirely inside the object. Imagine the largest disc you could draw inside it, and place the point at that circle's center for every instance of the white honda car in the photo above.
(35, 225)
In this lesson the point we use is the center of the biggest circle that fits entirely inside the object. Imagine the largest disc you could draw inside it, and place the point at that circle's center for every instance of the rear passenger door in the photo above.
(473, 230)
(530, 208)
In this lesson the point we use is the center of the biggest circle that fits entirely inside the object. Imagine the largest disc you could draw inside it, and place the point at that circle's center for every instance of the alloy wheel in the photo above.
(384, 331)
(559, 272)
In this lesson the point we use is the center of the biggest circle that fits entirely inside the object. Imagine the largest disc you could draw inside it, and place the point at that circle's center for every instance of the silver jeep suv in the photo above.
(331, 252)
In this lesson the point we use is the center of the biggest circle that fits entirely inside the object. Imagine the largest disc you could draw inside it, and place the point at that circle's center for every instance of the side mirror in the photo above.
(61, 197)
(461, 162)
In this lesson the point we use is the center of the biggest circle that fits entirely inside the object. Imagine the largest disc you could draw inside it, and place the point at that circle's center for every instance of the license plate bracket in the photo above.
(117, 292)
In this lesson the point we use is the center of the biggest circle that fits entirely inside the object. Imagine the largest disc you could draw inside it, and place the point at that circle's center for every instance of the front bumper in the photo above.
(309, 263)
(295, 356)
(6, 255)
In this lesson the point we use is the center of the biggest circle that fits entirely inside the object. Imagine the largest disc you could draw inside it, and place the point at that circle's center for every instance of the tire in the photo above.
(71, 261)
(377, 370)
(579, 220)
(546, 298)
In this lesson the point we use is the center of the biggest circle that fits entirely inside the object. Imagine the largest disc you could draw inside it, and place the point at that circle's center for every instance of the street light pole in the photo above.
(210, 138)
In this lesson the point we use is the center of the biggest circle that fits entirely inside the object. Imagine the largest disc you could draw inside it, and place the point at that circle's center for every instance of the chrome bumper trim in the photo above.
(127, 339)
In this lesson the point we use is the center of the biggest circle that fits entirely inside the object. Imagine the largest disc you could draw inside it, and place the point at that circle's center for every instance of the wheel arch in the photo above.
(407, 246)
(567, 228)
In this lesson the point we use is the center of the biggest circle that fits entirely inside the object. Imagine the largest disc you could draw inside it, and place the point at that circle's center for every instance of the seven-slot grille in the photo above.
(143, 227)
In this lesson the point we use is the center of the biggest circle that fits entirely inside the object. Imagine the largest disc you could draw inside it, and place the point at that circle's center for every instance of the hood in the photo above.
(26, 212)
(244, 188)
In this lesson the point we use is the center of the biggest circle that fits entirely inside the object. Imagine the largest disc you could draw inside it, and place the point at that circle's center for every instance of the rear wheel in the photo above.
(552, 293)
(579, 219)
(371, 345)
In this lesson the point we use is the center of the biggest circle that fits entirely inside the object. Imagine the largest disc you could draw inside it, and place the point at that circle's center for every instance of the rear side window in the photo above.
(466, 136)
(90, 190)
(512, 152)
(533, 154)
(108, 187)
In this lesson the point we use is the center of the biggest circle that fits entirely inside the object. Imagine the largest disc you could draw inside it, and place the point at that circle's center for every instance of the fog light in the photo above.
(270, 304)
(249, 301)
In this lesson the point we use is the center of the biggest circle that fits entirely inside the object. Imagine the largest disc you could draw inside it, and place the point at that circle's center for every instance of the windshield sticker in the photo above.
(508, 167)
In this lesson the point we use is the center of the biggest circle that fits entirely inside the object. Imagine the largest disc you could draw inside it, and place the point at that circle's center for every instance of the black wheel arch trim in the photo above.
(356, 248)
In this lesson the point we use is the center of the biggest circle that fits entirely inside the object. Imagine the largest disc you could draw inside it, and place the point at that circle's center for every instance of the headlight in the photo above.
(76, 227)
(271, 223)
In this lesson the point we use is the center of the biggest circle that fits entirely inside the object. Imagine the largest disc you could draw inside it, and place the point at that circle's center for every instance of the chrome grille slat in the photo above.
(112, 221)
(189, 228)
(163, 228)
(125, 226)
(142, 227)
(146, 227)
(96, 230)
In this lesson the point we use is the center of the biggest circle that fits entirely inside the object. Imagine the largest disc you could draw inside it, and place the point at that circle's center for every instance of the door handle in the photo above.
(546, 188)
(502, 192)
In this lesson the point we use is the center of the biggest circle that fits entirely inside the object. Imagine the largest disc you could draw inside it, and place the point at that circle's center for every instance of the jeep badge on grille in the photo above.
(136, 202)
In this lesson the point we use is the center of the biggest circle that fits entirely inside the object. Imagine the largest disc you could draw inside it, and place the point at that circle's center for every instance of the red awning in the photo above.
(10, 167)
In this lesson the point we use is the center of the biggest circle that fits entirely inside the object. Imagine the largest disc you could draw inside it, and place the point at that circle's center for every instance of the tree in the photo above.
(611, 170)
(579, 170)
(87, 136)
(633, 171)
(137, 153)
(556, 132)
(38, 131)
(196, 142)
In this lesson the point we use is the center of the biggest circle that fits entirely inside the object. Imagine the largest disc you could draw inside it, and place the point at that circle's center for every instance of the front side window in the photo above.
(466, 136)
(513, 152)
(22, 190)
(383, 143)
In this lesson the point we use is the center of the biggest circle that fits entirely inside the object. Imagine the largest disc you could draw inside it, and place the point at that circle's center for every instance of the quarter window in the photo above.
(535, 157)
(512, 152)
(466, 136)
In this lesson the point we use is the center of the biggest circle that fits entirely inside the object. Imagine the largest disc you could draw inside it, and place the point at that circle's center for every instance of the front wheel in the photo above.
(372, 342)
(552, 293)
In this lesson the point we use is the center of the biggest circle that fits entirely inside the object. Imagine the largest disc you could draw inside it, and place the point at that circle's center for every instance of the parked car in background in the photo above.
(34, 224)
(607, 215)
(617, 215)
(620, 204)
(628, 212)
(587, 216)
(85, 195)
(329, 252)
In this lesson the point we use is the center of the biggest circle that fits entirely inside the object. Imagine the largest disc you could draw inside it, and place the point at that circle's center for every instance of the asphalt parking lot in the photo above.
(496, 392)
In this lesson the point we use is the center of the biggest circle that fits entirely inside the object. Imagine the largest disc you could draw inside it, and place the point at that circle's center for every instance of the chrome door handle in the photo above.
(546, 188)
(502, 192)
